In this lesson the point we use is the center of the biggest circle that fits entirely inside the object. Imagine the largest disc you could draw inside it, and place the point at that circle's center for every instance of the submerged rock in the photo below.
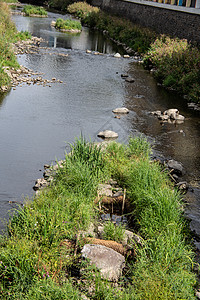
(108, 261)
(130, 80)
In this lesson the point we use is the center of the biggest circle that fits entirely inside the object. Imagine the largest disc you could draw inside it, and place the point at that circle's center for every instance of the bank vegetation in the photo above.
(175, 63)
(40, 257)
(8, 35)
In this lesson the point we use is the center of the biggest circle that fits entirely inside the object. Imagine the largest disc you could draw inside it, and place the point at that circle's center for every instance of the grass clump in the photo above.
(113, 232)
(177, 65)
(34, 263)
(8, 35)
(68, 25)
(31, 10)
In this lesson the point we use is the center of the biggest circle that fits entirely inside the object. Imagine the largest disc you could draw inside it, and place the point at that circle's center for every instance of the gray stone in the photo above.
(121, 110)
(163, 117)
(109, 262)
(124, 75)
(156, 113)
(176, 166)
(105, 190)
(180, 118)
(130, 80)
(108, 134)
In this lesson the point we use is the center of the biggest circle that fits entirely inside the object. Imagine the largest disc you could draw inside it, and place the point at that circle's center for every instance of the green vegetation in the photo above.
(31, 10)
(176, 61)
(8, 35)
(177, 65)
(122, 30)
(38, 256)
(68, 25)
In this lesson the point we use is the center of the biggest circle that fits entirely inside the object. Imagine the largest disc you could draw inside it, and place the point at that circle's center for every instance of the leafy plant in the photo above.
(34, 10)
(68, 24)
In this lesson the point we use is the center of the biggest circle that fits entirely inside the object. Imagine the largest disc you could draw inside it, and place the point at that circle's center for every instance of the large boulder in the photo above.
(108, 261)
(108, 134)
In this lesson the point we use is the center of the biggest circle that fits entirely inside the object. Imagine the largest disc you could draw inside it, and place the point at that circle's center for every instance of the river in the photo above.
(38, 123)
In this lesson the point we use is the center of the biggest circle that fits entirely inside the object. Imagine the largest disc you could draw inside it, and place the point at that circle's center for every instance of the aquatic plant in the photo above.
(30, 10)
(68, 24)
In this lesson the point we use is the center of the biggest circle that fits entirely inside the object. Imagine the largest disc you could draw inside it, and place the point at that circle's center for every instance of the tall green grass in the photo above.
(68, 24)
(8, 35)
(34, 264)
(30, 10)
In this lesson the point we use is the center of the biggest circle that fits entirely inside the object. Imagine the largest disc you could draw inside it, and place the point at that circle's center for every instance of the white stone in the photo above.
(108, 134)
(117, 55)
(121, 110)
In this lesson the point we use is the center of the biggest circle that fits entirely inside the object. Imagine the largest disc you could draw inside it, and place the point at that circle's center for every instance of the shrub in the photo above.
(177, 65)
(34, 10)
(68, 24)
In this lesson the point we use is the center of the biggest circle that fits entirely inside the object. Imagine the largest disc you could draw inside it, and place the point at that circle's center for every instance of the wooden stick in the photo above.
(123, 203)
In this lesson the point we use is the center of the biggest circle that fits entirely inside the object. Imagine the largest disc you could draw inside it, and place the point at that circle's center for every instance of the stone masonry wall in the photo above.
(175, 21)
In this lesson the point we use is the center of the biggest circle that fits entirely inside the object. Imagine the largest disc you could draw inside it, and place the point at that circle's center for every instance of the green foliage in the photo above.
(68, 24)
(33, 262)
(8, 35)
(136, 37)
(30, 10)
(177, 64)
(81, 9)
(59, 4)
(113, 232)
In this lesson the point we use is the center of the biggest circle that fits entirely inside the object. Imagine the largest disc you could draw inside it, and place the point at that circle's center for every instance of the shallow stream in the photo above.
(37, 122)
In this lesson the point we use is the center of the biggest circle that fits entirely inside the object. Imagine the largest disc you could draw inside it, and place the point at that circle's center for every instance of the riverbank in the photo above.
(176, 68)
(54, 230)
(8, 36)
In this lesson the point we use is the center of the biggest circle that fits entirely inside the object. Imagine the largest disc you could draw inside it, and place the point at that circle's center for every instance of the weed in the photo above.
(34, 10)
(68, 24)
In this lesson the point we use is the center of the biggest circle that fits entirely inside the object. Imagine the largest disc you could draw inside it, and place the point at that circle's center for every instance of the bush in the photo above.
(34, 10)
(177, 65)
(68, 24)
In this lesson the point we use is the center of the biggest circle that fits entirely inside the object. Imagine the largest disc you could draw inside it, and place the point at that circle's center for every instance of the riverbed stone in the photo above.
(117, 55)
(105, 190)
(176, 166)
(108, 134)
(172, 113)
(121, 110)
(130, 79)
(108, 261)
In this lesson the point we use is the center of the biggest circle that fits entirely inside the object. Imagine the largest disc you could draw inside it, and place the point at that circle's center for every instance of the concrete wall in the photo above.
(177, 21)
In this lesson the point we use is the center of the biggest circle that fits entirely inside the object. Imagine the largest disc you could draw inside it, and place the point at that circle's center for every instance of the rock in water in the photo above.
(108, 261)
(108, 134)
(117, 55)
(121, 110)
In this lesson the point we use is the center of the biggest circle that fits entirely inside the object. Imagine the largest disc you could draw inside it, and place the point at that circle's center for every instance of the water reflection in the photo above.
(87, 39)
